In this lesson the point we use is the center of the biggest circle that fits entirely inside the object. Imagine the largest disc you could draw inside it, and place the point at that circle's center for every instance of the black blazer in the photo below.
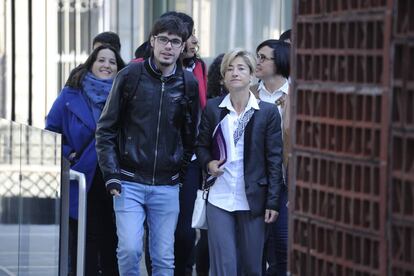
(262, 152)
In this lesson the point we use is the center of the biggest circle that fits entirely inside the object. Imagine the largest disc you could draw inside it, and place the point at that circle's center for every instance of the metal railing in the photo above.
(31, 210)
(80, 177)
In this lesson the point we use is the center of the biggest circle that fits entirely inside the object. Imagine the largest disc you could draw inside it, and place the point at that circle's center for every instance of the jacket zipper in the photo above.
(158, 131)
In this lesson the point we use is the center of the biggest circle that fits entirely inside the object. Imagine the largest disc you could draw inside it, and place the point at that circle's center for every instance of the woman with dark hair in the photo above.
(273, 70)
(185, 235)
(107, 38)
(74, 114)
(192, 62)
(215, 84)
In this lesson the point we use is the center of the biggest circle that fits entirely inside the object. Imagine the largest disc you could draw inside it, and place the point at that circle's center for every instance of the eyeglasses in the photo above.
(163, 40)
(262, 58)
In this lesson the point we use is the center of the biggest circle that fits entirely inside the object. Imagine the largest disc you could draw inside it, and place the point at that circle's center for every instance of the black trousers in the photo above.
(184, 234)
(276, 246)
(201, 254)
(101, 239)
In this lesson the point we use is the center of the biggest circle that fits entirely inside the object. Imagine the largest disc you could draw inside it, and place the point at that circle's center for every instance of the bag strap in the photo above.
(209, 181)
(190, 88)
(205, 188)
(131, 83)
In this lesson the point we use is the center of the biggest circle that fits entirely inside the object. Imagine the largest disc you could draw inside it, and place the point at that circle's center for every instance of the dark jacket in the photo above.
(149, 137)
(262, 152)
(71, 116)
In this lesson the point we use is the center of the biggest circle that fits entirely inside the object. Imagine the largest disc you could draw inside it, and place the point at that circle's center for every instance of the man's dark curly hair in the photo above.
(144, 50)
(109, 38)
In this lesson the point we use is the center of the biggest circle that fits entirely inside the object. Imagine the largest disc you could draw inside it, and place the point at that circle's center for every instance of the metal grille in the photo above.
(39, 184)
(401, 168)
(341, 107)
(30, 161)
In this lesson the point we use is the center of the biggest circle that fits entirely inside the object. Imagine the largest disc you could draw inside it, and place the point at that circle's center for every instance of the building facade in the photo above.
(42, 41)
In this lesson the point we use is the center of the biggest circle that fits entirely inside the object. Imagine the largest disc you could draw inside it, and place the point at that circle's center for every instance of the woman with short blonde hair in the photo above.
(246, 173)
(248, 58)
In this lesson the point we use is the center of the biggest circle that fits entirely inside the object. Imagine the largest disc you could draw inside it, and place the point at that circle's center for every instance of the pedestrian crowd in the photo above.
(150, 135)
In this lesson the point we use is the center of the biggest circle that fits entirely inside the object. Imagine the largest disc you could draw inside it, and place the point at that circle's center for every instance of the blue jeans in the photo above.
(160, 205)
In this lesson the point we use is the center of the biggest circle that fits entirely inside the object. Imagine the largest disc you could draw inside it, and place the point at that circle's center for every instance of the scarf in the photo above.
(242, 125)
(96, 91)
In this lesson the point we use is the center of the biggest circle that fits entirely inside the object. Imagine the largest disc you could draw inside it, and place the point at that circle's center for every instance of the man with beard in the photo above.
(144, 141)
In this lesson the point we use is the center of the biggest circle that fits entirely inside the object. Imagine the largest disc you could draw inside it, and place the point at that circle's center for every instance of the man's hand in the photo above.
(214, 168)
(270, 216)
(115, 192)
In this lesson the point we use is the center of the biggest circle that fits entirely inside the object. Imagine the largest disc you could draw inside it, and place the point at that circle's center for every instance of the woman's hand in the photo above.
(115, 192)
(214, 168)
(72, 158)
(270, 216)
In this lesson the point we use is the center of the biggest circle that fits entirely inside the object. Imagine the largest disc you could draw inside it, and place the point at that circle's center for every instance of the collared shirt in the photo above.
(266, 96)
(228, 192)
(272, 97)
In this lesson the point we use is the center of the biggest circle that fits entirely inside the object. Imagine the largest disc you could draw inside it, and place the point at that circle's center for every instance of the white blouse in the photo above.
(228, 192)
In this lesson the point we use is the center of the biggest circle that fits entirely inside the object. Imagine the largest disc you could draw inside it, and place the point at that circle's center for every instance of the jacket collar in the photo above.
(78, 106)
(252, 103)
(156, 73)
(224, 110)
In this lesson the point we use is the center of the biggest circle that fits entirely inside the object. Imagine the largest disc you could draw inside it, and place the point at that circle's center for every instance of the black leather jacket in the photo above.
(148, 137)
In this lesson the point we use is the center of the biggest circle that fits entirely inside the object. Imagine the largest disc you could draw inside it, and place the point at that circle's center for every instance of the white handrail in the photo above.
(80, 177)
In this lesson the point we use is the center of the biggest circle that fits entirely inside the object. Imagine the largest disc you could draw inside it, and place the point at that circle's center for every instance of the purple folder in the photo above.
(218, 147)
(218, 152)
